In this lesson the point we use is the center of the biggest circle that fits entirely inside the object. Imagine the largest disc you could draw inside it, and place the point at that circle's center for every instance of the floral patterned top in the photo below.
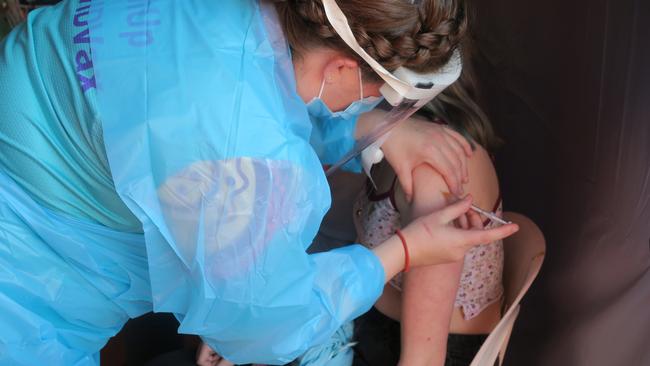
(376, 218)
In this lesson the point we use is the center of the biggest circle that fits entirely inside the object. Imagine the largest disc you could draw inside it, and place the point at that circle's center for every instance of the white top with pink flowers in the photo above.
(377, 218)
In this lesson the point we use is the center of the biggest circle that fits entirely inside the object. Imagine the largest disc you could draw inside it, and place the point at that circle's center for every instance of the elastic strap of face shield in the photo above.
(404, 84)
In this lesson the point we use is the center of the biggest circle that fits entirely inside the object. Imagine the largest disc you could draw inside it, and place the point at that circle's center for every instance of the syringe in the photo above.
(491, 215)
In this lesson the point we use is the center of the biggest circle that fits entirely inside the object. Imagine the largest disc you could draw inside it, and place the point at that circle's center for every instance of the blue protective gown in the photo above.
(155, 155)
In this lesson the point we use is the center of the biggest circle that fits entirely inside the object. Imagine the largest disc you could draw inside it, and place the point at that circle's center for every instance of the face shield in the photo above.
(404, 91)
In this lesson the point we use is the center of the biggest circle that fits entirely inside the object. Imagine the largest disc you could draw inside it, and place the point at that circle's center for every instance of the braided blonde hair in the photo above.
(421, 36)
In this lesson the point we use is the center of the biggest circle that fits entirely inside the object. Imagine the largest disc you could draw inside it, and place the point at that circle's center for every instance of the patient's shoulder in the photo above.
(483, 181)
(429, 186)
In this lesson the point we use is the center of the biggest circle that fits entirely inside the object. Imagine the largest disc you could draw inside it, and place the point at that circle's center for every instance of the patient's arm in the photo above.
(428, 293)
(390, 303)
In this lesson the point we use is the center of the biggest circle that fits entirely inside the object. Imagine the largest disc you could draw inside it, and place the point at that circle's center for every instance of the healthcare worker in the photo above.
(164, 155)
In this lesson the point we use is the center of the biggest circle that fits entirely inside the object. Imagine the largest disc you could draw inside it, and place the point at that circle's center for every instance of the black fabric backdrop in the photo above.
(567, 83)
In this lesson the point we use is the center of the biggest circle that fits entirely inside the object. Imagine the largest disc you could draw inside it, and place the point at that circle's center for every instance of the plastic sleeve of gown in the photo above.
(208, 145)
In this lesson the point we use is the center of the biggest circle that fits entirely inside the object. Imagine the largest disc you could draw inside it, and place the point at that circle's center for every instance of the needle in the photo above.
(491, 215)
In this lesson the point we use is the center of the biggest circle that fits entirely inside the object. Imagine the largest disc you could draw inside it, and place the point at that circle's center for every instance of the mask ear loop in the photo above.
(360, 84)
(322, 87)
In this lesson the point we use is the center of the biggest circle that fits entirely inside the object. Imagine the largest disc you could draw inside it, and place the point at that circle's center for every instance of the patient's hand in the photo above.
(205, 356)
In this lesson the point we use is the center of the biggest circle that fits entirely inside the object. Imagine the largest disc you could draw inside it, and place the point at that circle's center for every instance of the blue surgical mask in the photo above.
(333, 132)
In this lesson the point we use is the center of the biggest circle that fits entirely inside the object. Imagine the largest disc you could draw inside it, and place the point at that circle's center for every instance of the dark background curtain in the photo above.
(567, 83)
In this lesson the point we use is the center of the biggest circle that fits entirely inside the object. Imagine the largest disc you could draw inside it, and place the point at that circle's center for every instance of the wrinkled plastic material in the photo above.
(371, 141)
(52, 143)
(208, 146)
(337, 352)
(66, 286)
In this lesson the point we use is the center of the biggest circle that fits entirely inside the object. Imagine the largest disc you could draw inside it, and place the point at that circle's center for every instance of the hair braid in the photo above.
(395, 33)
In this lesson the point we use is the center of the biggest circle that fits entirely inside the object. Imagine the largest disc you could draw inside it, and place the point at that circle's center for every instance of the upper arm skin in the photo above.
(429, 292)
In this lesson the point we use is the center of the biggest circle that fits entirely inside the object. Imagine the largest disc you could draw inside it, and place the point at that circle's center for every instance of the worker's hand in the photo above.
(415, 142)
(433, 239)
(205, 356)
(469, 220)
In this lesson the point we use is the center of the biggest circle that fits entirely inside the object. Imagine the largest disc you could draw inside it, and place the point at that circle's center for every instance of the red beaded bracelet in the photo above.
(407, 258)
